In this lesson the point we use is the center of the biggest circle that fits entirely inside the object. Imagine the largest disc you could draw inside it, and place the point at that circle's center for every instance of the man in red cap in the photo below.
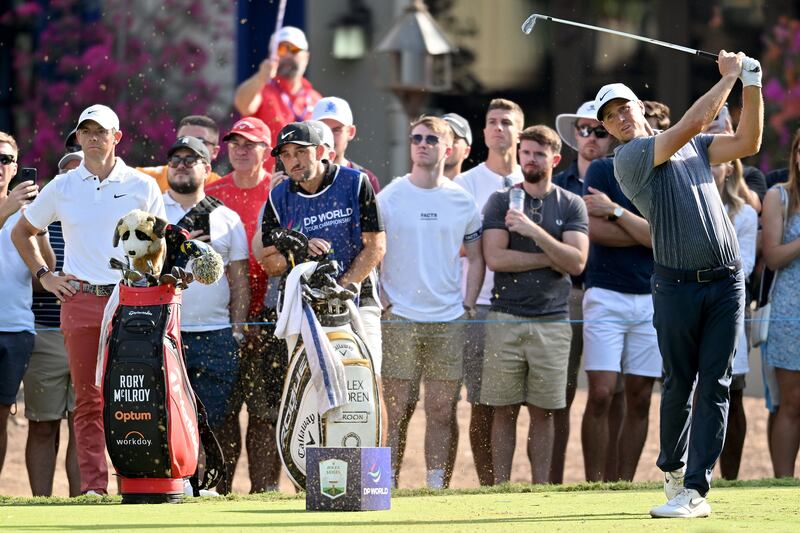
(245, 190)
(278, 93)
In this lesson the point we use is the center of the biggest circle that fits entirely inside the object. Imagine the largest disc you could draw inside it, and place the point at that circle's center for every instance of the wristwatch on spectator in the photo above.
(471, 311)
(618, 212)
(41, 272)
(238, 336)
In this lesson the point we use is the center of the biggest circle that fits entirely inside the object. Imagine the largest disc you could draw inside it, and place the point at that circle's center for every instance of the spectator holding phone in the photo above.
(16, 317)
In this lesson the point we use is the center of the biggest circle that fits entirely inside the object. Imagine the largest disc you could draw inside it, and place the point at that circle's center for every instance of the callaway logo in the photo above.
(287, 134)
(120, 195)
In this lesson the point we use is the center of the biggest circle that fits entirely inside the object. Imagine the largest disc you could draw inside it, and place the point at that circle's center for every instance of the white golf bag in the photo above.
(316, 364)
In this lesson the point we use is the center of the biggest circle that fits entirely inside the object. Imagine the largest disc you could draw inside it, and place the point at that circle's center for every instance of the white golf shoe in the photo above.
(673, 483)
(687, 504)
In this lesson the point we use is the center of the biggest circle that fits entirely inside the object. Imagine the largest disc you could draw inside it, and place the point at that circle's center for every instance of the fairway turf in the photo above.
(584, 510)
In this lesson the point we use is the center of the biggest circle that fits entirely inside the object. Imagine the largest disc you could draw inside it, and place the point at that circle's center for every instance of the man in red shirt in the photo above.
(245, 190)
(278, 93)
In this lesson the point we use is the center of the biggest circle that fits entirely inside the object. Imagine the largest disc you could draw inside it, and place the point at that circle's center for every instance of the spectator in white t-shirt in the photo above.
(427, 219)
(504, 122)
(212, 315)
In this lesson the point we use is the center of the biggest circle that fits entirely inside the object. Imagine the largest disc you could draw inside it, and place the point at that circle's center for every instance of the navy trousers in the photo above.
(698, 325)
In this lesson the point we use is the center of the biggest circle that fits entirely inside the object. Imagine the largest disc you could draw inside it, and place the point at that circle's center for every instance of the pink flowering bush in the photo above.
(150, 77)
(781, 89)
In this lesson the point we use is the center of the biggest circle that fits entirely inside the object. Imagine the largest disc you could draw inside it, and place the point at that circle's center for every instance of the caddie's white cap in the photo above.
(290, 34)
(101, 114)
(334, 108)
(324, 131)
(565, 122)
(610, 92)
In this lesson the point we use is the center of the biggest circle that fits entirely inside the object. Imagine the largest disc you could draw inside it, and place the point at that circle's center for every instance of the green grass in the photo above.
(765, 505)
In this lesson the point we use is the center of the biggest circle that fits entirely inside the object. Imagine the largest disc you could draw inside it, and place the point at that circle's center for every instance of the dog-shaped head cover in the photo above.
(142, 236)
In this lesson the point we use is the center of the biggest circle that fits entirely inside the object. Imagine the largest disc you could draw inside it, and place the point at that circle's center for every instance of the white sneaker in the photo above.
(209, 493)
(93, 493)
(687, 504)
(673, 483)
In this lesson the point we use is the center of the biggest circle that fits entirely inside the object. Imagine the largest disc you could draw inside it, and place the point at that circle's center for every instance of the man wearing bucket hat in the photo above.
(582, 132)
(278, 93)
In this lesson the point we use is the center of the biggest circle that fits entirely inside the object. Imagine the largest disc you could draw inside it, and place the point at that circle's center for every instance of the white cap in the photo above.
(72, 156)
(290, 34)
(565, 122)
(610, 92)
(333, 108)
(324, 131)
(101, 114)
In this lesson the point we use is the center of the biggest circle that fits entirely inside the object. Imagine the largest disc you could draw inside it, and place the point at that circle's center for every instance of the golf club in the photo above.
(530, 22)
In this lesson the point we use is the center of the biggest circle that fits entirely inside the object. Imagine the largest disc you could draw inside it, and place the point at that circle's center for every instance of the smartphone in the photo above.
(28, 174)
(202, 222)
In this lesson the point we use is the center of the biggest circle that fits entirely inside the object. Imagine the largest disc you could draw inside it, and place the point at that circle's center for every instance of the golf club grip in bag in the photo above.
(354, 425)
(154, 423)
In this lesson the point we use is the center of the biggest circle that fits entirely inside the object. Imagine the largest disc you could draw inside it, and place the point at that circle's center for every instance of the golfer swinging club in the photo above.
(698, 285)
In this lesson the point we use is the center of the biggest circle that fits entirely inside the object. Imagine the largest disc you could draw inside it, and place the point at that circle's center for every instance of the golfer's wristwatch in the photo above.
(41, 272)
(618, 212)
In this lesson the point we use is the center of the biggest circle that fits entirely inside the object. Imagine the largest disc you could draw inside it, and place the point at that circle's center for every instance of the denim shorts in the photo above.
(15, 353)
(212, 362)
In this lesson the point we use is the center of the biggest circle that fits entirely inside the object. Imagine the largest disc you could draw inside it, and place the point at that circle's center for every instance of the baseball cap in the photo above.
(565, 122)
(290, 34)
(334, 108)
(101, 114)
(301, 133)
(190, 143)
(72, 156)
(459, 125)
(610, 92)
(324, 131)
(252, 129)
(71, 142)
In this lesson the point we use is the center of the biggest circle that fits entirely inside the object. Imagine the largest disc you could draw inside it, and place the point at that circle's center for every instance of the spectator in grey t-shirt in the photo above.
(527, 336)
(698, 285)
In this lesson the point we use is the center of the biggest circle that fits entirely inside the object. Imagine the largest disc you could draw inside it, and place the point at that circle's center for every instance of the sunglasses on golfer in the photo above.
(6, 159)
(417, 139)
(288, 48)
(599, 131)
(188, 161)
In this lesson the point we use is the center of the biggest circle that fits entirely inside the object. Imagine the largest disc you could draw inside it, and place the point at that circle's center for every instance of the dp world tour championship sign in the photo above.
(348, 479)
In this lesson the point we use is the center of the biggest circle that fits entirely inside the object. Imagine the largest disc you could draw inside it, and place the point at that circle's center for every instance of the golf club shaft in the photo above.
(527, 26)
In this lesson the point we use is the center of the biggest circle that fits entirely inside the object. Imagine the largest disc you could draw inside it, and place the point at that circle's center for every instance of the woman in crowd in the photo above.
(781, 250)
(729, 178)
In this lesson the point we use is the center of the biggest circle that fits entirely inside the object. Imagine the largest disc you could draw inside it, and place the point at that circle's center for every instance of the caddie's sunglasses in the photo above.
(6, 159)
(417, 139)
(288, 48)
(599, 131)
(188, 161)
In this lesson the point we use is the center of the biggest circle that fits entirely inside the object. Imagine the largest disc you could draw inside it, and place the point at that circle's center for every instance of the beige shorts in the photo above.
(48, 385)
(525, 362)
(433, 350)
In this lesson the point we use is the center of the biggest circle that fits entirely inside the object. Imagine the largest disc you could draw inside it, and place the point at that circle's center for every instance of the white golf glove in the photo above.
(751, 72)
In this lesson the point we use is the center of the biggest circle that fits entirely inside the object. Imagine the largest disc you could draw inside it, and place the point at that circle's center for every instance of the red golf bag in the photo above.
(154, 423)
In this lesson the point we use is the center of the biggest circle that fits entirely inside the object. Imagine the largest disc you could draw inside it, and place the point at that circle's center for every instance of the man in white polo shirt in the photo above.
(89, 201)
(211, 341)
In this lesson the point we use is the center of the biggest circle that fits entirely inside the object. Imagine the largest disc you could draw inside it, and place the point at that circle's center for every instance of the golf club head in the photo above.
(530, 22)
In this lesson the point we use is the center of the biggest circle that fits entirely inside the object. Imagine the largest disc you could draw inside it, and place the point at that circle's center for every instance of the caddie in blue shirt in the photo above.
(698, 284)
(335, 207)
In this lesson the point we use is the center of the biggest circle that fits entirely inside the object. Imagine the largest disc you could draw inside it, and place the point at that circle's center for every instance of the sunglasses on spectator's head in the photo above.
(188, 161)
(599, 131)
(6, 159)
(417, 139)
(288, 48)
